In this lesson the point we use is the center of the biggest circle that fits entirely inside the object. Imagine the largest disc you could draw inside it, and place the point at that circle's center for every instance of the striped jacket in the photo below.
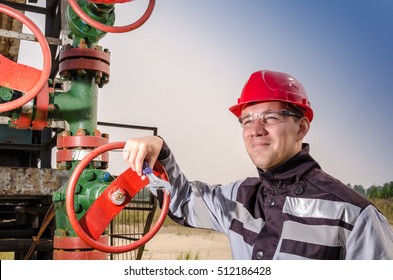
(294, 211)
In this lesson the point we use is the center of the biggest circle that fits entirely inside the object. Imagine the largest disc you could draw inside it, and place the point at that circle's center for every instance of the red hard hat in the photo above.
(269, 85)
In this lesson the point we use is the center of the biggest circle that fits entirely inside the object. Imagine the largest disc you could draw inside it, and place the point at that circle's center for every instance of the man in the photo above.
(293, 210)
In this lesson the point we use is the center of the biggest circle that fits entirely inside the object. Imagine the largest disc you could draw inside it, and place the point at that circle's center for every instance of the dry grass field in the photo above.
(180, 243)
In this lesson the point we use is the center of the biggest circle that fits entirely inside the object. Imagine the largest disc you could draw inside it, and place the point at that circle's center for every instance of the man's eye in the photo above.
(246, 121)
(271, 118)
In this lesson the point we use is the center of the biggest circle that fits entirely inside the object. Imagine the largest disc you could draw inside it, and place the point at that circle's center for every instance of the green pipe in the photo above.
(90, 186)
(78, 29)
(78, 106)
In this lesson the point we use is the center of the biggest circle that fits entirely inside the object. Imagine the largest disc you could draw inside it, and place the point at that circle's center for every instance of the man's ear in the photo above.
(304, 126)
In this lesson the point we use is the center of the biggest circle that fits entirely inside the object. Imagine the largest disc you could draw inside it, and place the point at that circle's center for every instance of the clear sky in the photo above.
(188, 64)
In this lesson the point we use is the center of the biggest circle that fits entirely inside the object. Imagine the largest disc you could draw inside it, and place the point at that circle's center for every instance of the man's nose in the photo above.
(258, 129)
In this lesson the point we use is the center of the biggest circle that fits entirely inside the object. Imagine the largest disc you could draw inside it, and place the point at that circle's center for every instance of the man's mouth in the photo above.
(260, 144)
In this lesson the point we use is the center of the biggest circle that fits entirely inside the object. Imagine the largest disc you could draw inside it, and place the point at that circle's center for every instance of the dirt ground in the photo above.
(180, 243)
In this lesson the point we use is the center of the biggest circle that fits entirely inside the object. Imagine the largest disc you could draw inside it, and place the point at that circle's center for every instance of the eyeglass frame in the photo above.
(262, 120)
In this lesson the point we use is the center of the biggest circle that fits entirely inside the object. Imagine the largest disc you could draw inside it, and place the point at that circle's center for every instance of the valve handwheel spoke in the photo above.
(103, 210)
(21, 77)
(112, 29)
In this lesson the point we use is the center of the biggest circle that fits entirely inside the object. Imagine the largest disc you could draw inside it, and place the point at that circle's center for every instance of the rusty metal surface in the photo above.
(10, 47)
(18, 181)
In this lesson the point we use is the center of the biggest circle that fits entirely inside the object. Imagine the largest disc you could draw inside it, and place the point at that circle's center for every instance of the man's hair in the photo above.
(299, 111)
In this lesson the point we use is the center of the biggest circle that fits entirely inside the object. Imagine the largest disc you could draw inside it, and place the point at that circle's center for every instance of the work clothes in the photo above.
(293, 211)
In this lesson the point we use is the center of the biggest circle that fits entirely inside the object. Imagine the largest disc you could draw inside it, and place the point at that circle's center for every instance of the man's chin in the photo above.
(262, 164)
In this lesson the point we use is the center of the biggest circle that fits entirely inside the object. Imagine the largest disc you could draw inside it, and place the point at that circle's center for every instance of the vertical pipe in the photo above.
(78, 106)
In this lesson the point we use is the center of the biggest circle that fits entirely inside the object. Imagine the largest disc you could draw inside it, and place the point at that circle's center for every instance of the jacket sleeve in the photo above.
(196, 203)
(371, 237)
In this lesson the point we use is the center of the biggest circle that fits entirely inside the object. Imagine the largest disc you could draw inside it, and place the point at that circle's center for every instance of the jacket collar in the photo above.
(293, 170)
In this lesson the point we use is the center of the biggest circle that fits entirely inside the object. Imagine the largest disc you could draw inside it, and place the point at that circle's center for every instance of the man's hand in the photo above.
(142, 149)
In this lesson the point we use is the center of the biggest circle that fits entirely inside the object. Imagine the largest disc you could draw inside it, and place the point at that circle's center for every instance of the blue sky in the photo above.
(188, 64)
(185, 67)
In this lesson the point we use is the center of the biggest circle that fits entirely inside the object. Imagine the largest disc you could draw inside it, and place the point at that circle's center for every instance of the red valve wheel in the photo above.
(33, 88)
(76, 223)
(112, 29)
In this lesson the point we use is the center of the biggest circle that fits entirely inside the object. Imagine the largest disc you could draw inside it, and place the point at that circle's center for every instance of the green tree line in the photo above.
(381, 192)
(380, 196)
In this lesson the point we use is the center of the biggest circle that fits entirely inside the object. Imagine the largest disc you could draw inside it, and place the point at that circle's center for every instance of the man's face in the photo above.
(271, 145)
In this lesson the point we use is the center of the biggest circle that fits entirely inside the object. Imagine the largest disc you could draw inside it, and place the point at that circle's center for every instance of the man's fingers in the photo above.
(125, 154)
(137, 150)
(140, 158)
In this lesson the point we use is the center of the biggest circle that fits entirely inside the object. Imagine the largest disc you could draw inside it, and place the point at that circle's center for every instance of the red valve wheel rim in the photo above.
(112, 29)
(74, 220)
(46, 55)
